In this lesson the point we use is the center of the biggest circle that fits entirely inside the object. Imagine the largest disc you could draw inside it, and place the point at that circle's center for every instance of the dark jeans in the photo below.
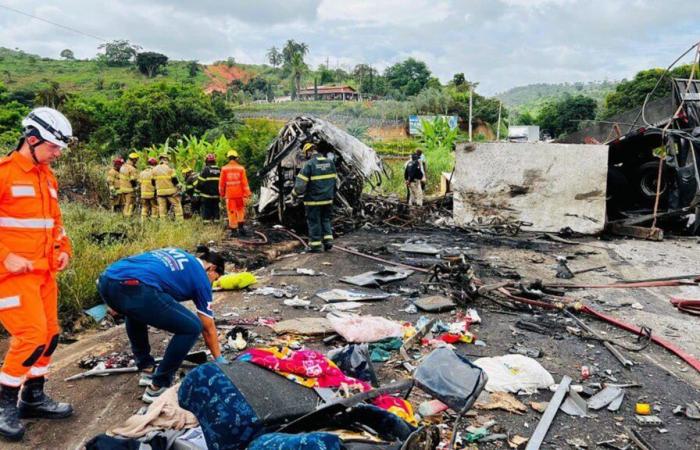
(143, 305)
(210, 208)
(318, 219)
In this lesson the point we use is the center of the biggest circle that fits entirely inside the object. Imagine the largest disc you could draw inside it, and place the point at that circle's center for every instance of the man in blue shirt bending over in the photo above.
(148, 289)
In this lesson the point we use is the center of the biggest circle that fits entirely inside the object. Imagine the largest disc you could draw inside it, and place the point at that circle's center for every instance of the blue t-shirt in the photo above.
(170, 270)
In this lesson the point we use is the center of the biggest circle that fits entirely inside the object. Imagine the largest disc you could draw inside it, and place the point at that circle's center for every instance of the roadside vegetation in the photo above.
(100, 237)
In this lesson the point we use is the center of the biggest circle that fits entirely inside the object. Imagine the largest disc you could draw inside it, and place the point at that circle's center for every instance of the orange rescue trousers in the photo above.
(29, 312)
(236, 212)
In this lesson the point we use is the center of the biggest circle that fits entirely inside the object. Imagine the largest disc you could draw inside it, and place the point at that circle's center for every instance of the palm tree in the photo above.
(298, 68)
(274, 56)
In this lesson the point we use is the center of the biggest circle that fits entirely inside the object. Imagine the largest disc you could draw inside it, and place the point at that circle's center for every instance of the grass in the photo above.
(438, 161)
(77, 288)
(20, 71)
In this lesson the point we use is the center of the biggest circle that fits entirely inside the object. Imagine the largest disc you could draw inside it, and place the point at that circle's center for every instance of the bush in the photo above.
(77, 288)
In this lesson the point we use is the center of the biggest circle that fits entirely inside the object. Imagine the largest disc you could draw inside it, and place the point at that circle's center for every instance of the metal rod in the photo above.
(378, 259)
(548, 416)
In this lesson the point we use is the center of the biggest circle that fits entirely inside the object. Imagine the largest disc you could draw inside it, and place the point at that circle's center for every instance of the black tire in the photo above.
(647, 174)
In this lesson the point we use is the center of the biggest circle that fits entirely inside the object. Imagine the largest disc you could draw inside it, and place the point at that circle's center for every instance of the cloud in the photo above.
(499, 43)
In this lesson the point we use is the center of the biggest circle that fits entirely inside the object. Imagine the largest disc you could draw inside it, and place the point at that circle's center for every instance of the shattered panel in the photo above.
(548, 186)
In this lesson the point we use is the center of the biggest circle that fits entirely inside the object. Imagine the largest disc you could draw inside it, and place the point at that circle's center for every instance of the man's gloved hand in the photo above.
(295, 199)
(221, 359)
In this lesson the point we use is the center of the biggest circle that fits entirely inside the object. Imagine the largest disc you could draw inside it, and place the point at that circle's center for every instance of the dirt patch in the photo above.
(221, 76)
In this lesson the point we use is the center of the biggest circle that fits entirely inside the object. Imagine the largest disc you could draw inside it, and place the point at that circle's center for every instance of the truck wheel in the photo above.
(647, 175)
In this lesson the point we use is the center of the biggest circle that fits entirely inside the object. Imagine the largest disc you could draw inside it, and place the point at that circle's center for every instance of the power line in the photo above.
(53, 23)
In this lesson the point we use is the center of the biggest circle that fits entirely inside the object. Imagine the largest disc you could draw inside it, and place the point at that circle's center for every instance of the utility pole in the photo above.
(471, 94)
(498, 128)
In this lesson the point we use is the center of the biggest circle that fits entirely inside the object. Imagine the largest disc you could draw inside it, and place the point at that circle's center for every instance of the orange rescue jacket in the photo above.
(30, 218)
(233, 182)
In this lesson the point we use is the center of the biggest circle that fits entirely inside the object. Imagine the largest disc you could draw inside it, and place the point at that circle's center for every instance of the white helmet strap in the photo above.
(56, 133)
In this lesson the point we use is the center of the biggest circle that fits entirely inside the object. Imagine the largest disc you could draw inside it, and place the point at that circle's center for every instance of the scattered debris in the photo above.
(435, 303)
(364, 328)
(299, 271)
(546, 420)
(563, 270)
(377, 278)
(539, 406)
(527, 351)
(307, 326)
(420, 248)
(574, 405)
(501, 400)
(604, 398)
(354, 295)
(648, 421)
(514, 373)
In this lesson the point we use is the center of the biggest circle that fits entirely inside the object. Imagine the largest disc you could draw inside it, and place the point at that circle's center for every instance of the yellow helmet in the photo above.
(186, 170)
(308, 147)
(134, 155)
(232, 154)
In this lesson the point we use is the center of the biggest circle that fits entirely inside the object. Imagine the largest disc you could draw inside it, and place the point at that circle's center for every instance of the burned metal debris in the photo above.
(356, 163)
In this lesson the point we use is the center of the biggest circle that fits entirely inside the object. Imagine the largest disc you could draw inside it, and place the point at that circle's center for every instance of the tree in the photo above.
(230, 62)
(408, 77)
(118, 53)
(292, 48)
(631, 93)
(274, 56)
(67, 54)
(51, 95)
(458, 79)
(524, 118)
(565, 115)
(149, 114)
(193, 68)
(298, 69)
(325, 75)
(11, 114)
(149, 63)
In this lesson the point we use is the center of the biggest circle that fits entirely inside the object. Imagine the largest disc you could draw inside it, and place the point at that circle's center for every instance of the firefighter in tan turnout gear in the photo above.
(128, 176)
(115, 202)
(166, 189)
(149, 204)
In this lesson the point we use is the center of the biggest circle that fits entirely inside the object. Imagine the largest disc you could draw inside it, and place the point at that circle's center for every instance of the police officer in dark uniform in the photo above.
(317, 182)
(207, 189)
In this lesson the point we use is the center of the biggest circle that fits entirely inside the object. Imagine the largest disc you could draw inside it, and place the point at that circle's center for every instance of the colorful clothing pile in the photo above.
(313, 369)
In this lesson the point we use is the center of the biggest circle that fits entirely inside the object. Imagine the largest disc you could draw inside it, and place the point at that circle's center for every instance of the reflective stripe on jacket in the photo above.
(127, 174)
(317, 181)
(113, 180)
(207, 183)
(164, 174)
(30, 217)
(233, 182)
(146, 182)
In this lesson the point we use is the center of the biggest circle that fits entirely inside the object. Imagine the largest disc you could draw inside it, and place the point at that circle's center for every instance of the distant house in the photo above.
(329, 93)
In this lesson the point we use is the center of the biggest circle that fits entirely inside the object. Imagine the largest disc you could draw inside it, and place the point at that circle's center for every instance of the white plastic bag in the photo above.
(514, 373)
(355, 328)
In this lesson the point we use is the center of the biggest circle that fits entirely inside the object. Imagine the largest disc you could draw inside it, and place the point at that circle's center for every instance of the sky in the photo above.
(498, 43)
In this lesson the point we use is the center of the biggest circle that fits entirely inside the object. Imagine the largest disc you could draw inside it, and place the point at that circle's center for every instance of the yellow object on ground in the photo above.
(235, 281)
(643, 409)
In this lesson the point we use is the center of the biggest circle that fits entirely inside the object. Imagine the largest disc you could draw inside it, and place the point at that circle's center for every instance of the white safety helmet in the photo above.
(51, 125)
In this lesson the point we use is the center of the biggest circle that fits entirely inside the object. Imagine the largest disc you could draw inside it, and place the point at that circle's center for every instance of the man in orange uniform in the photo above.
(33, 249)
(233, 186)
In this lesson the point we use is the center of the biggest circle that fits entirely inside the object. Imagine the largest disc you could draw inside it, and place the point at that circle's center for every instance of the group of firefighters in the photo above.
(159, 190)
(147, 288)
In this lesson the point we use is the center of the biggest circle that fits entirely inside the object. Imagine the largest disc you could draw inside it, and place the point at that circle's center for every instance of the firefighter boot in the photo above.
(10, 426)
(35, 403)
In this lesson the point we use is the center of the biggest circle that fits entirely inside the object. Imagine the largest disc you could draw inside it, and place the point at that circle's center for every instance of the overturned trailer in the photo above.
(356, 163)
(668, 127)
(605, 175)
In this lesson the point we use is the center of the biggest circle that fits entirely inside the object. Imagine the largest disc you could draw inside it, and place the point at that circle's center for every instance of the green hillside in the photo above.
(24, 72)
(533, 96)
